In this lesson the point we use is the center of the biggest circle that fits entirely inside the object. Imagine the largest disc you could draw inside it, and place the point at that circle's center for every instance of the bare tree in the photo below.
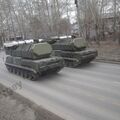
(44, 18)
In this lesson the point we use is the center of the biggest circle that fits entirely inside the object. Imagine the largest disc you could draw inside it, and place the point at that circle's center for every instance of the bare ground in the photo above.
(15, 107)
(107, 51)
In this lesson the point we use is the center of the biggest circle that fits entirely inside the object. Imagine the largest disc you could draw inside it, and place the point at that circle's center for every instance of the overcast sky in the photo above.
(72, 14)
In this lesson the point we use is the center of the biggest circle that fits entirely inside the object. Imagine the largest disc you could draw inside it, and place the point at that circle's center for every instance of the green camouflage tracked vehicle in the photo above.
(74, 51)
(32, 60)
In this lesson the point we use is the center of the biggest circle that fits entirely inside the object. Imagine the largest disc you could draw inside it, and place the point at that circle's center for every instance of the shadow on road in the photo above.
(49, 77)
(87, 66)
(52, 77)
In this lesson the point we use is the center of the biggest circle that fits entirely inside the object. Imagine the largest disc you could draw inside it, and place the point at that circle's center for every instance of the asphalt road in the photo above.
(91, 92)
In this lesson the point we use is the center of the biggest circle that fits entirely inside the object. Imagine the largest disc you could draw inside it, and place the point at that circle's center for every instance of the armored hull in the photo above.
(74, 59)
(74, 51)
(33, 69)
(32, 60)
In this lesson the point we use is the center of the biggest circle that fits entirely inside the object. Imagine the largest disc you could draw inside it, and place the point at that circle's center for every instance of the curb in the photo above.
(108, 61)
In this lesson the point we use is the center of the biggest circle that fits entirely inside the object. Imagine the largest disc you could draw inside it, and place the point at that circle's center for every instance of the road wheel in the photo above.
(18, 72)
(23, 74)
(8, 68)
(15, 71)
(11, 70)
(34, 77)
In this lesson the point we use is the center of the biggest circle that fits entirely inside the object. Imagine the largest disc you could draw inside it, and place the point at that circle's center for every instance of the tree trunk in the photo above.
(115, 20)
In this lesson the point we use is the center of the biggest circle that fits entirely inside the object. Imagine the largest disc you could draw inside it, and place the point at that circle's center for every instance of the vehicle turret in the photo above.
(33, 51)
(70, 44)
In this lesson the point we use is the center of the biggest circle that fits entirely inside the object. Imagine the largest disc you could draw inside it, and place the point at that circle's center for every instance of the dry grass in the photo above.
(108, 50)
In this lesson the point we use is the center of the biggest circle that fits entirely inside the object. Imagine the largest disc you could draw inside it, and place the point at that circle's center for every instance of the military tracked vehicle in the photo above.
(31, 60)
(74, 51)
